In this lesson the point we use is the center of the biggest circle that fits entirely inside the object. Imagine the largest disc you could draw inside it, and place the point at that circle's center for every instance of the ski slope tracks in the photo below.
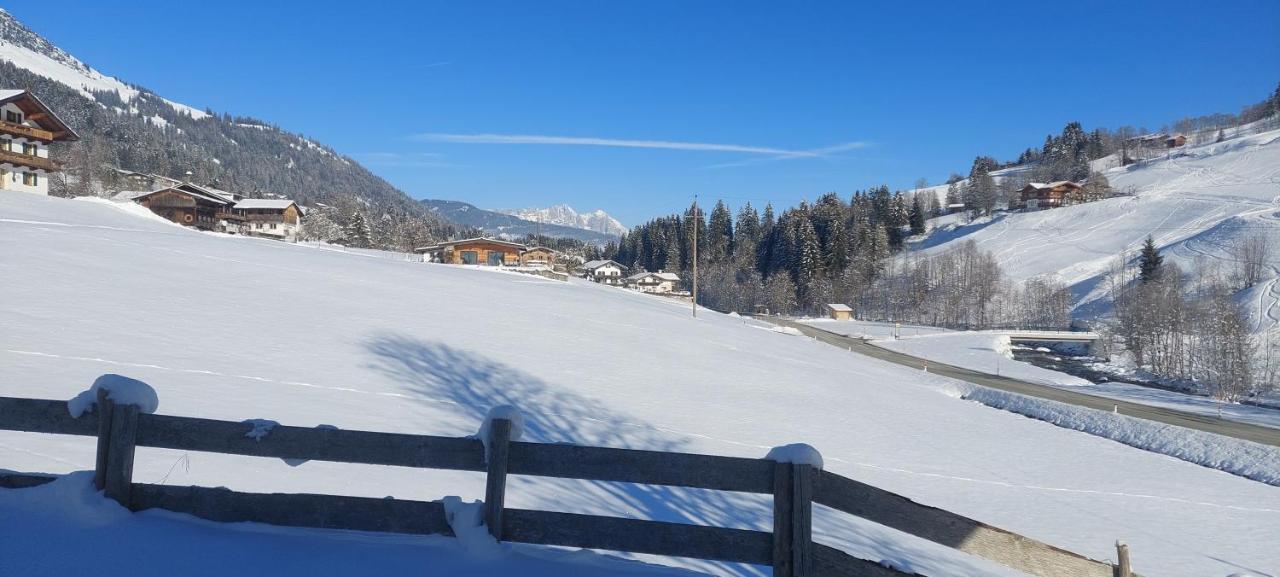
(238, 328)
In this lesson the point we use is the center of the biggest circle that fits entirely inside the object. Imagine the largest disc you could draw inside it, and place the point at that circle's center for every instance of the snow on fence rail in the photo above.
(789, 549)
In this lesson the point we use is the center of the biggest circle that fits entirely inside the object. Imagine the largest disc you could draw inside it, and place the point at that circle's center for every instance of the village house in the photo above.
(27, 127)
(538, 256)
(840, 312)
(603, 271)
(479, 251)
(271, 217)
(1176, 141)
(1038, 195)
(653, 282)
(185, 205)
(208, 208)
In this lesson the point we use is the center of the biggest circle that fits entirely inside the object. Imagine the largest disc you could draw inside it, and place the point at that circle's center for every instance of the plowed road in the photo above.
(1248, 432)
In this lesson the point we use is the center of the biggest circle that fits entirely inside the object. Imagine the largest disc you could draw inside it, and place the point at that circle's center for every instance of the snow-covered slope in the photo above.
(1196, 204)
(564, 215)
(239, 328)
(28, 50)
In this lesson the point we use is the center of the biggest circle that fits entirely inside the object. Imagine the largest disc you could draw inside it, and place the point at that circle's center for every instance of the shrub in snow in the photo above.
(122, 390)
(798, 453)
(507, 412)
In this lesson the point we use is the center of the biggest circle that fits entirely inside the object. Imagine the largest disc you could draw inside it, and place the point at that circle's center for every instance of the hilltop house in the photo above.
(603, 271)
(1037, 195)
(1176, 141)
(481, 251)
(653, 282)
(27, 127)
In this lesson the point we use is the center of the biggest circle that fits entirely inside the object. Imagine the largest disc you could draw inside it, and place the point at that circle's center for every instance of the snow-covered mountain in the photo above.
(564, 215)
(26, 49)
(504, 225)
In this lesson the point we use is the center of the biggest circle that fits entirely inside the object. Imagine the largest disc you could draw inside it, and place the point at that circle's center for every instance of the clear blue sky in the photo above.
(741, 100)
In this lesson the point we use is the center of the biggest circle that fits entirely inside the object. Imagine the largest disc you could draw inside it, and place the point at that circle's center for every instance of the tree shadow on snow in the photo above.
(475, 383)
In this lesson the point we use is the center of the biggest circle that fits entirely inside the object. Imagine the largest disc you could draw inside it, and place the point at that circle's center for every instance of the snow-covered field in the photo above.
(239, 328)
(46, 523)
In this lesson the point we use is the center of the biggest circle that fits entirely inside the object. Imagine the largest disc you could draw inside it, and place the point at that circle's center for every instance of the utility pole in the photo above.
(695, 256)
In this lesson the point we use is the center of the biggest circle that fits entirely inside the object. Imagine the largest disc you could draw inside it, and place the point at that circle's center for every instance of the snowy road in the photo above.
(1245, 431)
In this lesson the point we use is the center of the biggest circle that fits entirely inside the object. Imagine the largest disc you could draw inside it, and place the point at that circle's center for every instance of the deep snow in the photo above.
(238, 328)
(67, 529)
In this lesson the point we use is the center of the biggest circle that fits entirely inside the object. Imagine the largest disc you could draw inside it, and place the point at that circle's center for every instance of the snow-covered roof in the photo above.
(264, 203)
(595, 264)
(193, 191)
(208, 190)
(839, 307)
(668, 276)
(10, 93)
(1054, 184)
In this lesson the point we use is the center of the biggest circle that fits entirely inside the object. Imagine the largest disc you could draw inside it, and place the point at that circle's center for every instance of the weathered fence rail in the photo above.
(789, 548)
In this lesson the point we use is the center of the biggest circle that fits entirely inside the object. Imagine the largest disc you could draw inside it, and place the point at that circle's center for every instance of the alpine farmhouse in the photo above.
(27, 127)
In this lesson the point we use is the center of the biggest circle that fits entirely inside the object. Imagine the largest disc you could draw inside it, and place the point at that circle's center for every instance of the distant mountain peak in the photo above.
(564, 215)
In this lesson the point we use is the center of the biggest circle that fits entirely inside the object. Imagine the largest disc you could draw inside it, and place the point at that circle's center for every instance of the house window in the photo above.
(30, 179)
(29, 149)
(273, 226)
(14, 117)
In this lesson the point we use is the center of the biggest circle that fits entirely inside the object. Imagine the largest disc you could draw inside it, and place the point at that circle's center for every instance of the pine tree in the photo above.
(1150, 262)
(917, 217)
(719, 234)
(356, 233)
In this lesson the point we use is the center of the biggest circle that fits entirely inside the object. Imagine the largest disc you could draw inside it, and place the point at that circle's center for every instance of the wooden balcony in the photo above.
(37, 162)
(26, 131)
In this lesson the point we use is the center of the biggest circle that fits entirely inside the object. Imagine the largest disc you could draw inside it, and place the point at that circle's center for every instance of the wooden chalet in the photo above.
(1176, 141)
(478, 251)
(185, 205)
(27, 127)
(660, 282)
(538, 256)
(1037, 195)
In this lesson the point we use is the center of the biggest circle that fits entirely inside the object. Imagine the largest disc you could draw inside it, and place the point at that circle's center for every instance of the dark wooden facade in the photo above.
(184, 207)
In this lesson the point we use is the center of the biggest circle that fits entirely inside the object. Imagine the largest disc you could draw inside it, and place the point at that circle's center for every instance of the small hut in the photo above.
(840, 312)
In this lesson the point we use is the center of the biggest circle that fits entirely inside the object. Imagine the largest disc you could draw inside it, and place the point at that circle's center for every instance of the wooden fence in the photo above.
(789, 548)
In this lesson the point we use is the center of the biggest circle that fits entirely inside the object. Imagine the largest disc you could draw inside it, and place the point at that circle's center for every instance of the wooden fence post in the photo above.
(124, 434)
(1122, 560)
(104, 409)
(495, 486)
(792, 520)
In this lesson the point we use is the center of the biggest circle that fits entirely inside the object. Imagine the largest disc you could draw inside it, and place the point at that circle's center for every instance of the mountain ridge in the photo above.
(564, 215)
(505, 225)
